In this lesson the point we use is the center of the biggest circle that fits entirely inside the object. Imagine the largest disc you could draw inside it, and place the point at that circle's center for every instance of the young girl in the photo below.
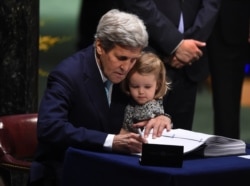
(146, 84)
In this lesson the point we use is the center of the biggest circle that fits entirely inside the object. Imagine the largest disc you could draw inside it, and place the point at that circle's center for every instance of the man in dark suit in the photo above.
(75, 111)
(175, 29)
(90, 13)
(228, 53)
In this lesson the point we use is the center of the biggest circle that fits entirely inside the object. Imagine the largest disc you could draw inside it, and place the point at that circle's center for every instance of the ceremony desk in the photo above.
(97, 168)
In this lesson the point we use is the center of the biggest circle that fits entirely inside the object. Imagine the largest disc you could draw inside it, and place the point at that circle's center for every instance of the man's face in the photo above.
(117, 62)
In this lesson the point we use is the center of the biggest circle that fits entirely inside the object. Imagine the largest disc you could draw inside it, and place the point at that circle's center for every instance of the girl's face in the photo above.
(142, 87)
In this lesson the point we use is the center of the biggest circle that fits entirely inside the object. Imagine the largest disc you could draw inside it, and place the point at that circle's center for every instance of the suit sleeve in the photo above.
(163, 34)
(204, 21)
(63, 122)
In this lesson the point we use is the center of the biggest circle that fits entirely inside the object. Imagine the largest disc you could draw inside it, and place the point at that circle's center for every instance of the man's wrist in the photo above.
(170, 117)
(167, 115)
(177, 46)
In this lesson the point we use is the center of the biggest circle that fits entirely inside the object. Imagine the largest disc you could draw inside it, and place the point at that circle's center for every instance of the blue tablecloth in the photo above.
(83, 167)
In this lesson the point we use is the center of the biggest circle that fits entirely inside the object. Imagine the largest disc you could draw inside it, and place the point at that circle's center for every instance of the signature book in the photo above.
(200, 143)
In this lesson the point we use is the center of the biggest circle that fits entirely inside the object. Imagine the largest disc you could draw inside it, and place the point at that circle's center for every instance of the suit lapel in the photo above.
(94, 87)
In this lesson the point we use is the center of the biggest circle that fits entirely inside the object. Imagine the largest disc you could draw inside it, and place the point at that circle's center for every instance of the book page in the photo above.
(187, 134)
(190, 140)
(188, 145)
(220, 145)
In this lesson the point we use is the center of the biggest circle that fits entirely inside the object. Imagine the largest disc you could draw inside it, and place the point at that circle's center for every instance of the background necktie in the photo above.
(181, 24)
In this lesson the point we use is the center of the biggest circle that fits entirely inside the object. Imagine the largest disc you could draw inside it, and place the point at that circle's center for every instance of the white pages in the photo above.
(201, 143)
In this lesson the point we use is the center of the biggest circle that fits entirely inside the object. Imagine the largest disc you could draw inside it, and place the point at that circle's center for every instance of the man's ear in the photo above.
(99, 48)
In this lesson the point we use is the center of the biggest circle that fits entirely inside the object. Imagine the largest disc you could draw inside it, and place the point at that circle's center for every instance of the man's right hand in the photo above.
(189, 51)
(128, 143)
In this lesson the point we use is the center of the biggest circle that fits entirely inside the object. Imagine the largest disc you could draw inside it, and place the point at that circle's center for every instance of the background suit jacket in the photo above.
(236, 13)
(74, 112)
(90, 13)
(229, 51)
(162, 19)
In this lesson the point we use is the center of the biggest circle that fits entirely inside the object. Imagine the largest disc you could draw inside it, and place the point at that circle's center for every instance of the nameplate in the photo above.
(161, 155)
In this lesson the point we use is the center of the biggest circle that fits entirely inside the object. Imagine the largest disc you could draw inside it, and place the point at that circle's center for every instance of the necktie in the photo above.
(181, 24)
(107, 85)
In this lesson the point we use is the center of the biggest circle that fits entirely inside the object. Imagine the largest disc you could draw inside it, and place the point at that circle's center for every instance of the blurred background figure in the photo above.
(228, 53)
(90, 13)
(178, 31)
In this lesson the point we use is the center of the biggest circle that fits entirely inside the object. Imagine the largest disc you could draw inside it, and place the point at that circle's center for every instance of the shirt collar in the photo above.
(102, 75)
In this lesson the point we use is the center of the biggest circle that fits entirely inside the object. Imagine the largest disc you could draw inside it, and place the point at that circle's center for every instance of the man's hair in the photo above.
(121, 28)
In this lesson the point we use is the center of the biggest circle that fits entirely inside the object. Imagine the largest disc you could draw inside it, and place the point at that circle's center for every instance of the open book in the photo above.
(200, 143)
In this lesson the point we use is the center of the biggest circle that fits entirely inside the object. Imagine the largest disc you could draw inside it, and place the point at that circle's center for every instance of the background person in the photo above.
(90, 13)
(176, 29)
(228, 53)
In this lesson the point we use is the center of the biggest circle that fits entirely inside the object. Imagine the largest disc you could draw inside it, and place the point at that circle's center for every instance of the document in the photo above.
(200, 143)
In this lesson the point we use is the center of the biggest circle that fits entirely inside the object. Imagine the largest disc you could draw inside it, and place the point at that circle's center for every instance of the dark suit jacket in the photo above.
(162, 18)
(228, 49)
(74, 112)
(233, 21)
(90, 13)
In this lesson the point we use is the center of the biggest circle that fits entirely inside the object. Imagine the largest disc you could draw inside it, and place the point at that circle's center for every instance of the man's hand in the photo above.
(128, 143)
(189, 51)
(158, 124)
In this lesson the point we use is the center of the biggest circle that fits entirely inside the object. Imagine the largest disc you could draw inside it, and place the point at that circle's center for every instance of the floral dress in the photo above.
(135, 113)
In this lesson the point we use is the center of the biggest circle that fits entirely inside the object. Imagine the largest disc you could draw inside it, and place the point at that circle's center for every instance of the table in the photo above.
(86, 168)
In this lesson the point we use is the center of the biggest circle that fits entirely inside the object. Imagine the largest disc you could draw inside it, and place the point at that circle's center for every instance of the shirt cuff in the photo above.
(108, 142)
(176, 47)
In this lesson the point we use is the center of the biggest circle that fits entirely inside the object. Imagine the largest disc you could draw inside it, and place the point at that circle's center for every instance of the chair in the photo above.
(18, 141)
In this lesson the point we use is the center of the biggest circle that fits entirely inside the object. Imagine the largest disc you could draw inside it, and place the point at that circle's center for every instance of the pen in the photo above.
(140, 132)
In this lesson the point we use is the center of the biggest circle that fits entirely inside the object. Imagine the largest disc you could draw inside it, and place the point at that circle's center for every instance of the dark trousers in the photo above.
(227, 63)
(180, 100)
